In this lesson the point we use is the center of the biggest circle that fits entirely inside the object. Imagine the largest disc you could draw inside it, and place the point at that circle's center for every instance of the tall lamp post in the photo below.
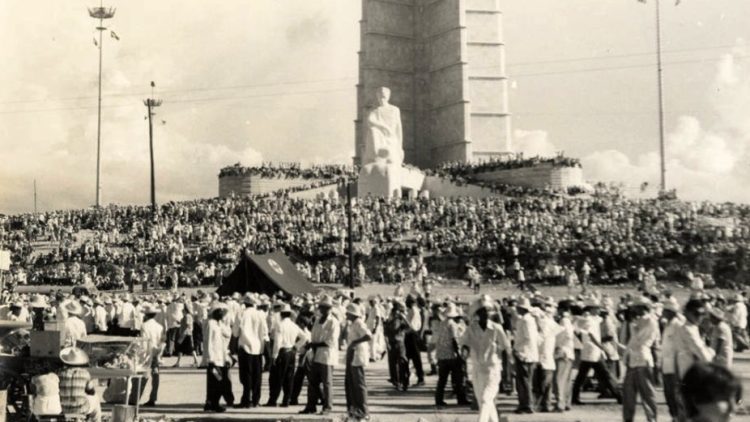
(662, 152)
(151, 103)
(100, 13)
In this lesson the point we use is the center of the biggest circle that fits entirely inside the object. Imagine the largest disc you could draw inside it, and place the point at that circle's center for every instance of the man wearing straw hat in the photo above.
(485, 341)
(153, 332)
(74, 328)
(737, 319)
(251, 328)
(674, 320)
(526, 351)
(324, 341)
(218, 383)
(74, 378)
(639, 361)
(447, 353)
(721, 338)
(357, 357)
(285, 334)
(589, 330)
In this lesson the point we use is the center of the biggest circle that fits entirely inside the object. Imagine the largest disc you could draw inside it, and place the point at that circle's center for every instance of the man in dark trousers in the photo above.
(286, 334)
(395, 333)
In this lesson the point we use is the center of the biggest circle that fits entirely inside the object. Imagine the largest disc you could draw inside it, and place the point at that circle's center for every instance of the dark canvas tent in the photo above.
(267, 274)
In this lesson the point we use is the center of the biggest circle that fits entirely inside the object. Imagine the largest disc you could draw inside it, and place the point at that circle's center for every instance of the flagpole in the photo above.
(663, 182)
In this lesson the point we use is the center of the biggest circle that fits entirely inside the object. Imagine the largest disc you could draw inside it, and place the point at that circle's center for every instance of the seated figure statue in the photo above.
(383, 153)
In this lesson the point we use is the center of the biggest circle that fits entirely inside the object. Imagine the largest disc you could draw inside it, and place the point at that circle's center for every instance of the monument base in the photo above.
(384, 180)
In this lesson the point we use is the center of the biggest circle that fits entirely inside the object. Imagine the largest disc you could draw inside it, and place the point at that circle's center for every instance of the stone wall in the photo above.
(538, 177)
(256, 185)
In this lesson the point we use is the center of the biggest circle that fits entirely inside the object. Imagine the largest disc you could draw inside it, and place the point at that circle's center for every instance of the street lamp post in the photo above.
(100, 13)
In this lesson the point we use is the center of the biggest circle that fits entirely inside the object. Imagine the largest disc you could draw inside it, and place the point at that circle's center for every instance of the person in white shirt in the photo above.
(485, 341)
(589, 330)
(217, 354)
(126, 317)
(323, 345)
(73, 328)
(411, 341)
(673, 320)
(526, 352)
(737, 319)
(285, 336)
(153, 333)
(690, 345)
(564, 357)
(375, 318)
(251, 328)
(357, 357)
(100, 317)
(640, 361)
(548, 330)
(721, 338)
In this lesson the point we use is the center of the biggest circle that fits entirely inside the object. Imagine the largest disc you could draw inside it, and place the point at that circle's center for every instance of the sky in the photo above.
(274, 80)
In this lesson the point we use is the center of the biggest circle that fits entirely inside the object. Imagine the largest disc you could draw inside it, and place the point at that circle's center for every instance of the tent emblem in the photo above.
(275, 265)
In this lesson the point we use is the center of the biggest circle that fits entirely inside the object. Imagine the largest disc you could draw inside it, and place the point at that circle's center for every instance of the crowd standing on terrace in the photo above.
(290, 171)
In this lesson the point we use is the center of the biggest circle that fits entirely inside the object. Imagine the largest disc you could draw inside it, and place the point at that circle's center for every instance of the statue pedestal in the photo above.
(383, 180)
(379, 179)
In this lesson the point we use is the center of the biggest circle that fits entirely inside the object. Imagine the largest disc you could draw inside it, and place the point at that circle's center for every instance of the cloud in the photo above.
(702, 163)
(267, 107)
(533, 142)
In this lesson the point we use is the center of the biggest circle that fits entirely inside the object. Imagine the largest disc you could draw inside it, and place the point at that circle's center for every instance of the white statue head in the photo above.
(383, 94)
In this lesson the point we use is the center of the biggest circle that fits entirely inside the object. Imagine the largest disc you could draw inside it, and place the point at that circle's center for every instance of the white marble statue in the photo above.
(383, 136)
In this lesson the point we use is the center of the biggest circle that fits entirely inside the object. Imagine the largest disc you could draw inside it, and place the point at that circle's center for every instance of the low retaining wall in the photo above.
(541, 176)
(256, 185)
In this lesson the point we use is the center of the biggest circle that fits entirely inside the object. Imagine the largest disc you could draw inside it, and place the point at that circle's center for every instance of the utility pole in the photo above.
(100, 13)
(150, 104)
(34, 196)
(349, 230)
(663, 181)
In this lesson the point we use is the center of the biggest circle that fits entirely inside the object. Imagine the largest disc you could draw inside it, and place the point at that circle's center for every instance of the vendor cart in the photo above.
(118, 357)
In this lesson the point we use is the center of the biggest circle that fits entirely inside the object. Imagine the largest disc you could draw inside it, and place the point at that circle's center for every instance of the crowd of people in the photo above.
(540, 348)
(526, 239)
(462, 169)
(290, 171)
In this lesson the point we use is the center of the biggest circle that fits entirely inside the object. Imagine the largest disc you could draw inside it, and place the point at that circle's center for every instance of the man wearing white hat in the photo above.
(285, 334)
(324, 342)
(721, 338)
(153, 333)
(485, 341)
(690, 345)
(673, 321)
(357, 357)
(74, 328)
(217, 354)
(526, 352)
(639, 361)
(252, 330)
(126, 317)
(589, 329)
(447, 335)
(737, 319)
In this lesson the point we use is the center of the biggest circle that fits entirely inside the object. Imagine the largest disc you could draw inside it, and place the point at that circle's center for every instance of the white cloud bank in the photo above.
(702, 163)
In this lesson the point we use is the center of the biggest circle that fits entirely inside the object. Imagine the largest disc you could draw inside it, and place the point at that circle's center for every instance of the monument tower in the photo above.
(445, 62)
